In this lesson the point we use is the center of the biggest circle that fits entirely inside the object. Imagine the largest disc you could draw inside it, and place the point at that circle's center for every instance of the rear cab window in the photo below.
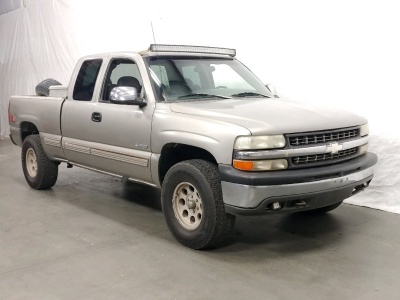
(86, 80)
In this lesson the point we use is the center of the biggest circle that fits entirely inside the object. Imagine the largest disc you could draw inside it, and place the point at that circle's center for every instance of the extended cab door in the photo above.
(76, 114)
(121, 137)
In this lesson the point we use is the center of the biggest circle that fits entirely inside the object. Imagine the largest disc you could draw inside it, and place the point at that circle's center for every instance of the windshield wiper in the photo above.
(202, 95)
(250, 94)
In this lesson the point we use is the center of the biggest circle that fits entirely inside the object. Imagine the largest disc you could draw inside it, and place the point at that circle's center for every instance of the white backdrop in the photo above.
(342, 53)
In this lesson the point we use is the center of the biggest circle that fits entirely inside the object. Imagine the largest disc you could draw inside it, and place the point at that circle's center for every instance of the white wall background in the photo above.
(9, 5)
(341, 53)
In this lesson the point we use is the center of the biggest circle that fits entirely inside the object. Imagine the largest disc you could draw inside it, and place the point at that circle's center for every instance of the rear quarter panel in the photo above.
(44, 113)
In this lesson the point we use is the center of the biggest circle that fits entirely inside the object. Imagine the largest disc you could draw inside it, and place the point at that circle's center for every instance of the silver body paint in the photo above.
(128, 142)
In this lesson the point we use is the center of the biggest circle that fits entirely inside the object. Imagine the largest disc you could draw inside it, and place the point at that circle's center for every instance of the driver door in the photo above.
(121, 133)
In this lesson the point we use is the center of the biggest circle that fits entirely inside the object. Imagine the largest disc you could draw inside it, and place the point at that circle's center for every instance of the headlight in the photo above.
(259, 142)
(364, 130)
(260, 165)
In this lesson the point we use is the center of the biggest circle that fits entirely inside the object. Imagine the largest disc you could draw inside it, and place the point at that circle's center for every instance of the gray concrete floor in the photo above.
(92, 237)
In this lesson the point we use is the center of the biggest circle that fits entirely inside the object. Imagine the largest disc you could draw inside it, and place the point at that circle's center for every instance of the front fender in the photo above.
(216, 137)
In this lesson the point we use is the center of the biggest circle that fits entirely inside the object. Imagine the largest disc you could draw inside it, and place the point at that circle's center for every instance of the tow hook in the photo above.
(360, 188)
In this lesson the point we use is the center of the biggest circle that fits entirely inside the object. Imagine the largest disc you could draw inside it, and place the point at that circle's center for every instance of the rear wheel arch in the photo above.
(27, 129)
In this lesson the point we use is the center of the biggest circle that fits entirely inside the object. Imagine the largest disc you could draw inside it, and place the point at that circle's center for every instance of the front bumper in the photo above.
(295, 190)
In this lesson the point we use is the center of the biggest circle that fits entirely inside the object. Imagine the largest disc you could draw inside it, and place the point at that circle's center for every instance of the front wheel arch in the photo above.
(173, 153)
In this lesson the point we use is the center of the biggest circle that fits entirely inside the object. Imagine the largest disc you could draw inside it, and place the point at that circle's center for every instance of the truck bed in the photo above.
(43, 112)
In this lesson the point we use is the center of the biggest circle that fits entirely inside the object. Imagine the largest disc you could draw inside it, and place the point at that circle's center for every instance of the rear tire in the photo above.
(43, 88)
(40, 172)
(193, 206)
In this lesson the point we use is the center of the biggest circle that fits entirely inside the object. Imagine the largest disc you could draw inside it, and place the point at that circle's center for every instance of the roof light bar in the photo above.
(194, 49)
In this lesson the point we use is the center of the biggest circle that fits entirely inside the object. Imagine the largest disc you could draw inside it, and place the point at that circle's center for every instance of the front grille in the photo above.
(323, 137)
(326, 157)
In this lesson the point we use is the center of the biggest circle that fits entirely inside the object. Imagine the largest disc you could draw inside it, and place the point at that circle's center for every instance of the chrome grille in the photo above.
(326, 157)
(323, 137)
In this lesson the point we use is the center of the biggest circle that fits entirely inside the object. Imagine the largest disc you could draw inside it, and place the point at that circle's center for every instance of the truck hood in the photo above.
(270, 116)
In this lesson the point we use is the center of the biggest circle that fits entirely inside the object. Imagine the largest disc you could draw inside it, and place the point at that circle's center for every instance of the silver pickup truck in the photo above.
(198, 124)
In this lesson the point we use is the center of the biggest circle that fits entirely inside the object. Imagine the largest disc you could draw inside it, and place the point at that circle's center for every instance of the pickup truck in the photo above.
(198, 124)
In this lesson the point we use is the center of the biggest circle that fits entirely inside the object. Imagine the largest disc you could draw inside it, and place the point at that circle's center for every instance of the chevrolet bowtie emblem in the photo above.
(334, 148)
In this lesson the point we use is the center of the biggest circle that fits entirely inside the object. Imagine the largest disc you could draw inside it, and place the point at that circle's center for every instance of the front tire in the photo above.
(193, 206)
(40, 172)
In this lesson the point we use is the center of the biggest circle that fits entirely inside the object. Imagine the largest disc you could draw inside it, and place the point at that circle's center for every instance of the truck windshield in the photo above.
(193, 78)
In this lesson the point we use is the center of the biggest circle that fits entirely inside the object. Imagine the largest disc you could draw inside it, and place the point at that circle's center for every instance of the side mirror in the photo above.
(272, 89)
(126, 95)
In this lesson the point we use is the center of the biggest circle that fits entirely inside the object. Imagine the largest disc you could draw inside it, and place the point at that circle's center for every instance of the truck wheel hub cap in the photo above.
(187, 205)
(31, 163)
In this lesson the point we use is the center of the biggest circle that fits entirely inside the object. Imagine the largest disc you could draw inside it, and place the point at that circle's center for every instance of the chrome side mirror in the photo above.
(126, 95)
(272, 89)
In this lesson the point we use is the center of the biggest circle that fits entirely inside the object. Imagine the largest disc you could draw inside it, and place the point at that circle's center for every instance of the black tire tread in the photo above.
(43, 88)
(48, 174)
(223, 222)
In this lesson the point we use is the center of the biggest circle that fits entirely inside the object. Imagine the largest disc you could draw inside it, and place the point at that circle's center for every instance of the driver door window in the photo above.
(121, 72)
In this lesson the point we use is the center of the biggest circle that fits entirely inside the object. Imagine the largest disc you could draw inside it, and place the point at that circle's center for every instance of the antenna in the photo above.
(162, 87)
(152, 29)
